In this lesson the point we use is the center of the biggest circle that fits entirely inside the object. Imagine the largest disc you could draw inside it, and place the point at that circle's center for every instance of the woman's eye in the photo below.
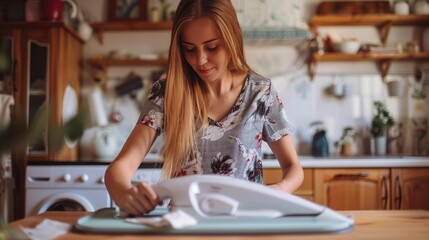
(212, 48)
(189, 50)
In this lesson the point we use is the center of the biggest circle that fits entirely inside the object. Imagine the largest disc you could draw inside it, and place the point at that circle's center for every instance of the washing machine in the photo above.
(74, 186)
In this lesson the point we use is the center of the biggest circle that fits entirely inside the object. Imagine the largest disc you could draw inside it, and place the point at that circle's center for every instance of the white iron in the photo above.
(212, 196)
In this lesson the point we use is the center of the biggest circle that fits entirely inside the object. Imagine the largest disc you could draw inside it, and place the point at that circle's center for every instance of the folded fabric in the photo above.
(46, 230)
(175, 219)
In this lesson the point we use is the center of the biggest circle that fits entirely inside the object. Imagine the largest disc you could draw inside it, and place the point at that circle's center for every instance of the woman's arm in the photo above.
(133, 199)
(292, 173)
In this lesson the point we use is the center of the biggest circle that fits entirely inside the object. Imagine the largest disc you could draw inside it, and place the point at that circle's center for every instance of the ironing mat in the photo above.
(105, 221)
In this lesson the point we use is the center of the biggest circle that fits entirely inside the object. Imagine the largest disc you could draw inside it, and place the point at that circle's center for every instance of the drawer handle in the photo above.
(385, 197)
(398, 192)
(351, 175)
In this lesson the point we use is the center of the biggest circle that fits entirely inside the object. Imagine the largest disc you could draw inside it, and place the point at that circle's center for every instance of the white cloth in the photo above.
(46, 230)
(5, 102)
(175, 219)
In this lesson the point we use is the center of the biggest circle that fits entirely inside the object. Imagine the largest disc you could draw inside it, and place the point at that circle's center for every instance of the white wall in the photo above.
(305, 100)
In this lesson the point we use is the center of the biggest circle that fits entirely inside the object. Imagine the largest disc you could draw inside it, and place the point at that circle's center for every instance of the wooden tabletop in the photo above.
(413, 224)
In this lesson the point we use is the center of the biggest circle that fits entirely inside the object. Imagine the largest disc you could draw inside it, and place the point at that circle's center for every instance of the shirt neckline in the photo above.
(234, 107)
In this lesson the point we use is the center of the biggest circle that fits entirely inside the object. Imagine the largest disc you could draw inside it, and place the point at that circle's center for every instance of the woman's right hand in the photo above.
(138, 200)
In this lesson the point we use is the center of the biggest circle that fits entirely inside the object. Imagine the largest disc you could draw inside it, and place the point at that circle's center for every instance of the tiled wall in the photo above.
(305, 100)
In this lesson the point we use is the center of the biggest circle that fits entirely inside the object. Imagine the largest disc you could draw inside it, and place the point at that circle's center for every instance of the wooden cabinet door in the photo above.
(306, 190)
(34, 84)
(352, 189)
(52, 59)
(410, 188)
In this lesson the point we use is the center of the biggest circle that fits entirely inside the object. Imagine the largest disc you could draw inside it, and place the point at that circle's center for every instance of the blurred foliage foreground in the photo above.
(18, 134)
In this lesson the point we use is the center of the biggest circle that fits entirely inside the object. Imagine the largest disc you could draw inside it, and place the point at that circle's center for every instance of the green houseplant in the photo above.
(380, 123)
(346, 141)
(381, 120)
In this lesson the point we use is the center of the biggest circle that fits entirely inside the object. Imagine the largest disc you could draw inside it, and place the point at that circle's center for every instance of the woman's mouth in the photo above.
(205, 72)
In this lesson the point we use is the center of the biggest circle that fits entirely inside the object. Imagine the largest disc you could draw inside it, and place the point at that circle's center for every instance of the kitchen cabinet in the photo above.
(46, 59)
(362, 188)
(306, 190)
(410, 188)
(352, 189)
(383, 22)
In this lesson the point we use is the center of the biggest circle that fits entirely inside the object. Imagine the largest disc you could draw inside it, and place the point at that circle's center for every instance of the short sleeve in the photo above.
(276, 124)
(152, 113)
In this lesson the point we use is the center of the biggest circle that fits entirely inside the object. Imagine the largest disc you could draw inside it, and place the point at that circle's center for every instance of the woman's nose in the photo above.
(202, 58)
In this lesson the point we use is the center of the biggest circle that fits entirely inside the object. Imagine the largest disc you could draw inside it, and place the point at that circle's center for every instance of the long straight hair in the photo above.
(185, 101)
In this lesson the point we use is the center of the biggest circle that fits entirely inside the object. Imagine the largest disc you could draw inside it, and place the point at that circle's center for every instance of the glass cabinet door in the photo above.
(37, 88)
(6, 76)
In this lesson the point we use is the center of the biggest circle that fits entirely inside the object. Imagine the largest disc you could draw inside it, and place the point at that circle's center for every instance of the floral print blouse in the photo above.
(232, 146)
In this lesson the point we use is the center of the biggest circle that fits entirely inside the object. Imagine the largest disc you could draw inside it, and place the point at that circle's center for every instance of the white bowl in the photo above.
(348, 47)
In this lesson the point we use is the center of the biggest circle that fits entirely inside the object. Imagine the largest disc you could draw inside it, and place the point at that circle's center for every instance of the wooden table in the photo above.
(368, 225)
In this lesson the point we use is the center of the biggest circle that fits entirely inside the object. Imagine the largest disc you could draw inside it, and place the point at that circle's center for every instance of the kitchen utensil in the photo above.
(105, 144)
(348, 46)
(115, 115)
(69, 110)
(319, 144)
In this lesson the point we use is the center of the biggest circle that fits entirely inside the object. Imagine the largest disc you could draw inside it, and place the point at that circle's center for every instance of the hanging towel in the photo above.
(6, 101)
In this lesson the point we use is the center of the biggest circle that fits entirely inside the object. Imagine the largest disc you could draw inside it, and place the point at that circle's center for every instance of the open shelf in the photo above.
(368, 20)
(135, 25)
(383, 22)
(370, 56)
(127, 62)
(383, 59)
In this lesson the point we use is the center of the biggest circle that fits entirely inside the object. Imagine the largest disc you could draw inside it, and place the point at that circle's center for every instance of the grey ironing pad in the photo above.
(105, 221)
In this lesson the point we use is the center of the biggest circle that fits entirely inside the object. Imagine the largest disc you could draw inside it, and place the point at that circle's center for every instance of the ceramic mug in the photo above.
(52, 10)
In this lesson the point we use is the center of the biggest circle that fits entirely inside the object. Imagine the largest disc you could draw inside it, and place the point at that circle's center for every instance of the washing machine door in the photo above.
(65, 202)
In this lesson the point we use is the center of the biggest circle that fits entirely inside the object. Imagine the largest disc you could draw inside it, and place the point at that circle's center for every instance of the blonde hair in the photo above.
(185, 92)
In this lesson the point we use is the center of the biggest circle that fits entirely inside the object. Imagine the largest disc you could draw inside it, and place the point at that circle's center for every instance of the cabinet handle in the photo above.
(386, 195)
(398, 192)
(14, 87)
(351, 175)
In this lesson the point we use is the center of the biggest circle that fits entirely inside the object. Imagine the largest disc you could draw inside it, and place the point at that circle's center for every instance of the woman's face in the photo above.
(204, 49)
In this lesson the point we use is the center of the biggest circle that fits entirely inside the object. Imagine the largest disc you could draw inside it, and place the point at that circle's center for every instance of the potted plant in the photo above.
(346, 142)
(380, 123)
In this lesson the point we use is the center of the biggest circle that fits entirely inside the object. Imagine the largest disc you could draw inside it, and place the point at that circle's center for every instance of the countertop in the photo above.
(412, 224)
(356, 162)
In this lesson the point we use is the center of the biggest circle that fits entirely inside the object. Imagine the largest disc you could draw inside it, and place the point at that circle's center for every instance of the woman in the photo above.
(213, 109)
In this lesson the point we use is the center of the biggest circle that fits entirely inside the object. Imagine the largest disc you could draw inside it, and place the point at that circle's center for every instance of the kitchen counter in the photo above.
(368, 225)
(355, 162)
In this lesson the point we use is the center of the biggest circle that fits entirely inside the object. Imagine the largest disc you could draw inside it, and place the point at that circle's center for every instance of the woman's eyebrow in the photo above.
(208, 41)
